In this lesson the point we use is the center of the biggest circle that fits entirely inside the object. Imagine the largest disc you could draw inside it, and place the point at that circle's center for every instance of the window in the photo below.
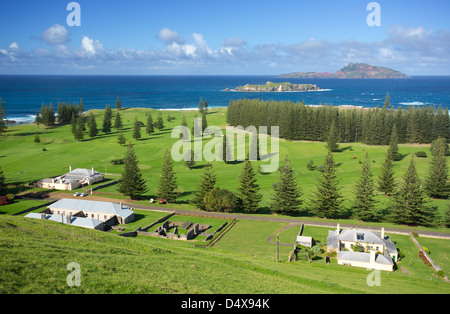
(360, 236)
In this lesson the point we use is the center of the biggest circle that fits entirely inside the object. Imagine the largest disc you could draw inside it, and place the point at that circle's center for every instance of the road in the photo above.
(422, 233)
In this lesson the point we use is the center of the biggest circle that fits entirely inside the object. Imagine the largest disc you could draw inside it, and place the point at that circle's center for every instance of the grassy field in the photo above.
(24, 161)
(35, 255)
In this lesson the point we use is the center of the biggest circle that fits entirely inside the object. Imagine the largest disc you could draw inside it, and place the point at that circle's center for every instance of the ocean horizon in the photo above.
(23, 95)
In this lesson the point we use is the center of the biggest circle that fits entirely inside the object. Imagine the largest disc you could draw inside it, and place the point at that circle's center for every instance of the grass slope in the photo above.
(35, 255)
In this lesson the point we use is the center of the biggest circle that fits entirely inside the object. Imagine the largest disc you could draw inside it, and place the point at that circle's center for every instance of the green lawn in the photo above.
(18, 150)
(35, 255)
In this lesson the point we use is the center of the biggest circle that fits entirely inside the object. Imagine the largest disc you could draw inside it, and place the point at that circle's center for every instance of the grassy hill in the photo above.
(35, 255)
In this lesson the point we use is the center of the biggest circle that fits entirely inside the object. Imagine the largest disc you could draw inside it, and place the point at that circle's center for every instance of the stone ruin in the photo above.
(193, 230)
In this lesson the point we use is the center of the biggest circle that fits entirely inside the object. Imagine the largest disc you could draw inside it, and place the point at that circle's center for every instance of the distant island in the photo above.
(352, 71)
(276, 87)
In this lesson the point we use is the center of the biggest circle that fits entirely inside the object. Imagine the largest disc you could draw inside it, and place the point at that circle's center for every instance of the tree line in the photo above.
(374, 126)
(408, 205)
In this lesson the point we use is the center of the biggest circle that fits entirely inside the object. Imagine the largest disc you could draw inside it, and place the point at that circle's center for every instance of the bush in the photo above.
(4, 200)
(421, 154)
(221, 200)
(116, 162)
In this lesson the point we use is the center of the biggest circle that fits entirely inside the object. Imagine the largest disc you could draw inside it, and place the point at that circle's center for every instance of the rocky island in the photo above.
(352, 71)
(276, 87)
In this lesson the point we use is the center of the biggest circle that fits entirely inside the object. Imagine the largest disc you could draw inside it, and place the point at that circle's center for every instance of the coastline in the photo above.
(29, 119)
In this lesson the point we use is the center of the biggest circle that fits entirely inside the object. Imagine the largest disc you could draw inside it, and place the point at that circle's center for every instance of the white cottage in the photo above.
(72, 180)
(363, 248)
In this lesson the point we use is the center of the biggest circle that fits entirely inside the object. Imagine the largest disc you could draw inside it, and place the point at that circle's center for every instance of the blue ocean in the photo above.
(24, 95)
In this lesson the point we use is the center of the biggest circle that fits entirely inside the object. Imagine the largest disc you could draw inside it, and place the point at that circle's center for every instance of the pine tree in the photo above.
(436, 183)
(118, 125)
(121, 139)
(207, 183)
(79, 129)
(393, 145)
(131, 183)
(286, 198)
(118, 104)
(227, 154)
(189, 159)
(73, 123)
(3, 186)
(137, 130)
(206, 105)
(332, 144)
(386, 181)
(200, 105)
(445, 217)
(160, 122)
(327, 200)
(168, 187)
(204, 121)
(92, 125)
(408, 206)
(81, 106)
(248, 189)
(107, 117)
(364, 203)
(149, 129)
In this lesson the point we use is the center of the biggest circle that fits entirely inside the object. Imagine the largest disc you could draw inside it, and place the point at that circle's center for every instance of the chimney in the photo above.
(382, 233)
(70, 168)
(338, 229)
(69, 221)
(121, 205)
(372, 257)
(43, 215)
(93, 170)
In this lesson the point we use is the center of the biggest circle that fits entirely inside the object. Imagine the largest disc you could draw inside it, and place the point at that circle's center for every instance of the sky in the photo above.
(199, 37)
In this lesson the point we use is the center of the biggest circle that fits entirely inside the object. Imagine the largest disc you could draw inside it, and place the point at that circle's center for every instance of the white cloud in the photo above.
(90, 46)
(169, 36)
(14, 45)
(56, 35)
(410, 50)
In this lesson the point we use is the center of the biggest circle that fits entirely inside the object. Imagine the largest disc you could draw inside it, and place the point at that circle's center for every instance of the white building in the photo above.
(72, 180)
(363, 248)
(87, 214)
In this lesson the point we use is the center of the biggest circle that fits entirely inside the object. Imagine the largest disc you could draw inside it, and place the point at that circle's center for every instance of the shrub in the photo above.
(116, 162)
(4, 200)
(421, 154)
(426, 250)
(221, 200)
